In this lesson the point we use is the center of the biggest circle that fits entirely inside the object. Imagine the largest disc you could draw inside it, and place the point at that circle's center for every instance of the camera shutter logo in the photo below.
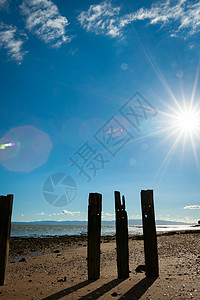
(59, 189)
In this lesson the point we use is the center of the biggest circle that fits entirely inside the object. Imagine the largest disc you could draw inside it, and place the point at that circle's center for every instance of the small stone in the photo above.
(114, 294)
(56, 251)
(140, 269)
(62, 279)
(23, 259)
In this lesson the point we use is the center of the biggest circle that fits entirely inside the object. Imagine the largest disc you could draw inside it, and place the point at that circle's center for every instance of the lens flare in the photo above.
(29, 149)
(3, 146)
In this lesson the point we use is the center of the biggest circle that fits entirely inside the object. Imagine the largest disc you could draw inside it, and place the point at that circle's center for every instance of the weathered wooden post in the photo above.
(5, 227)
(121, 237)
(94, 235)
(149, 232)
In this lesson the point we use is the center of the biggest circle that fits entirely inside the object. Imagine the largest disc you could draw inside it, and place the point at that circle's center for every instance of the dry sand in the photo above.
(62, 274)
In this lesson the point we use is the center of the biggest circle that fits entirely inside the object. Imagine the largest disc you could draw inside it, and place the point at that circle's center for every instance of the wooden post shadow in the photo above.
(121, 237)
(5, 227)
(94, 235)
(149, 232)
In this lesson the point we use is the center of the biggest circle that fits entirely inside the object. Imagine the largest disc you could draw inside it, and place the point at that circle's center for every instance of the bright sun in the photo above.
(187, 121)
(179, 124)
(182, 126)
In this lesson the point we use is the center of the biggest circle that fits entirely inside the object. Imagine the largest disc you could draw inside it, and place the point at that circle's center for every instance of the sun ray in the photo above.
(183, 146)
(168, 137)
(151, 134)
(159, 74)
(195, 153)
(195, 86)
(168, 157)
(156, 68)
(183, 94)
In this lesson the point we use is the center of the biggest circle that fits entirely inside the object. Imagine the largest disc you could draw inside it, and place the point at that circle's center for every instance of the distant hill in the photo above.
(130, 222)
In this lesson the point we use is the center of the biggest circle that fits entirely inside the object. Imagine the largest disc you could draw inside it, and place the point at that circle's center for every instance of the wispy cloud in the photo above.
(185, 16)
(192, 207)
(178, 218)
(12, 40)
(105, 19)
(44, 20)
(101, 19)
(71, 213)
(107, 215)
(3, 4)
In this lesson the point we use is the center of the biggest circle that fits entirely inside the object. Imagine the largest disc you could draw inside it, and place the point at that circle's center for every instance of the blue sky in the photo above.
(95, 97)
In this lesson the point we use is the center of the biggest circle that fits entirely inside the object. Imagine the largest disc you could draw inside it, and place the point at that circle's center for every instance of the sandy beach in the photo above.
(60, 269)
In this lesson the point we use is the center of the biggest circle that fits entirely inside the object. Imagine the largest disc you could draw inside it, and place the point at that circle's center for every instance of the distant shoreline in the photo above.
(41, 230)
(103, 222)
(31, 246)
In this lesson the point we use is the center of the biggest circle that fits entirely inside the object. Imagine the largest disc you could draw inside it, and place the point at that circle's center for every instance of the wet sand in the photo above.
(60, 271)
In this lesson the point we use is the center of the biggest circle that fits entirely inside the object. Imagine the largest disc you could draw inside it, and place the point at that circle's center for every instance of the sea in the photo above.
(29, 230)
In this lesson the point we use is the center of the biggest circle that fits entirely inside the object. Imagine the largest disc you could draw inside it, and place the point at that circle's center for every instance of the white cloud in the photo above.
(107, 214)
(22, 215)
(3, 4)
(41, 214)
(104, 18)
(192, 207)
(101, 19)
(44, 20)
(186, 219)
(71, 213)
(12, 40)
(184, 15)
(135, 217)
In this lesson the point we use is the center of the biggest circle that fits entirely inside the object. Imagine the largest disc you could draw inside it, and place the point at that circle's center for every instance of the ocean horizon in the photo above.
(44, 230)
